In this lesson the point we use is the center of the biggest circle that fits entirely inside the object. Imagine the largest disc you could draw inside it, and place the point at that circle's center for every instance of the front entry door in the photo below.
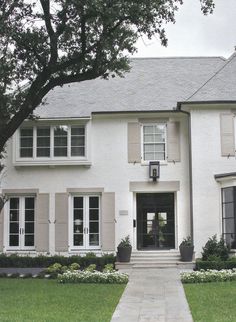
(155, 221)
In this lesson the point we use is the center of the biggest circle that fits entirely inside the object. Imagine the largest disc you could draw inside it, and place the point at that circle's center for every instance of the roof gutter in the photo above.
(137, 112)
(179, 104)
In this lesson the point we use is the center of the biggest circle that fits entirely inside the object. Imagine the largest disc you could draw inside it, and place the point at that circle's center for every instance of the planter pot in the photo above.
(186, 253)
(124, 254)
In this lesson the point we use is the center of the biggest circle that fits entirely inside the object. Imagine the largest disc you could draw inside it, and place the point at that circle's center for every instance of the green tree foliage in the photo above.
(44, 44)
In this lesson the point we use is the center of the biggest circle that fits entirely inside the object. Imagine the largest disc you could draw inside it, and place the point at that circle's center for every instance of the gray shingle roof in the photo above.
(152, 84)
(221, 86)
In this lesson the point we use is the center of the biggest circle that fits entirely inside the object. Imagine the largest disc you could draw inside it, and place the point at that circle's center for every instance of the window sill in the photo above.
(52, 163)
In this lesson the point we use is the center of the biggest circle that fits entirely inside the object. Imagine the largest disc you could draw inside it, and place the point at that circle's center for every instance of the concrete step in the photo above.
(155, 257)
(154, 261)
(158, 256)
(178, 264)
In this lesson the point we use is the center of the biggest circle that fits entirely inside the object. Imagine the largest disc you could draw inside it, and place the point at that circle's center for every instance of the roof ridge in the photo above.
(228, 61)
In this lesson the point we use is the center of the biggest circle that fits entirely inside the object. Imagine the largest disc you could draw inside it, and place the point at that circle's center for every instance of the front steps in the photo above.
(155, 259)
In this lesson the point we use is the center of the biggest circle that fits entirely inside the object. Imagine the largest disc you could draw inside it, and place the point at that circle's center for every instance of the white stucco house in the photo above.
(77, 178)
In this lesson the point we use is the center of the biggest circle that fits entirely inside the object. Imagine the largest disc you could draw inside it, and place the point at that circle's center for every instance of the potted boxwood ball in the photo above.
(124, 250)
(186, 249)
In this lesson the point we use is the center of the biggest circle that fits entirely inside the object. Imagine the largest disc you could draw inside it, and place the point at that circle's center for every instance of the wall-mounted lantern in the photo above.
(154, 170)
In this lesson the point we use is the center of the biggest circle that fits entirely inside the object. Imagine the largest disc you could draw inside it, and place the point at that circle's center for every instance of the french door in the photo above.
(85, 222)
(21, 223)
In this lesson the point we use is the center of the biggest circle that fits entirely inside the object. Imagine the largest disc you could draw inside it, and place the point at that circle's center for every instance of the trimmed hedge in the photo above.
(216, 265)
(44, 261)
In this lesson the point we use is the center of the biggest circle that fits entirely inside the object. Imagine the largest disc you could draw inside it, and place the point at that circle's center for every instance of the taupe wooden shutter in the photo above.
(108, 221)
(1, 229)
(42, 223)
(173, 141)
(61, 224)
(227, 134)
(134, 142)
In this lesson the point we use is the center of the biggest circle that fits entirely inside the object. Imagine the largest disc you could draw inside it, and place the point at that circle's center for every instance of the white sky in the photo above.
(194, 34)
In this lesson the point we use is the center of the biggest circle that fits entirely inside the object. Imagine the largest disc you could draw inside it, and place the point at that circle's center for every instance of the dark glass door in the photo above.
(155, 221)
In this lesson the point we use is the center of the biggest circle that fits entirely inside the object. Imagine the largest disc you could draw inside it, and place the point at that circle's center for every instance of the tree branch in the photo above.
(52, 35)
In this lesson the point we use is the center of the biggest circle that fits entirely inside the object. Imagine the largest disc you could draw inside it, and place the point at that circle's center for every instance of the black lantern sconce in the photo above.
(154, 170)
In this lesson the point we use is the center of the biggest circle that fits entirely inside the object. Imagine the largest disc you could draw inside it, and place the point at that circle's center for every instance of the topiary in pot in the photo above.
(124, 250)
(186, 249)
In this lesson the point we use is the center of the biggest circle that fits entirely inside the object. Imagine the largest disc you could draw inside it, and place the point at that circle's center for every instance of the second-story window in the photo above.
(154, 141)
(26, 142)
(60, 141)
(77, 141)
(43, 142)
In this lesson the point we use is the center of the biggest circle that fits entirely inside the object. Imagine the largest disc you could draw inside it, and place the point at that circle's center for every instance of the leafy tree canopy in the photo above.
(46, 43)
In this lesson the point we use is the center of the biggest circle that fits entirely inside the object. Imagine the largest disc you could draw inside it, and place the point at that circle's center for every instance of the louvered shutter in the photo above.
(108, 221)
(173, 141)
(42, 223)
(134, 143)
(61, 224)
(227, 134)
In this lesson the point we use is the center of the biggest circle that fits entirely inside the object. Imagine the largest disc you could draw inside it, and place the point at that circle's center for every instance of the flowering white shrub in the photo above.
(209, 275)
(112, 277)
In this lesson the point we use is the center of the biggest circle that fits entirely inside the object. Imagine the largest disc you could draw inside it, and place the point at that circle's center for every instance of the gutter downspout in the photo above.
(190, 172)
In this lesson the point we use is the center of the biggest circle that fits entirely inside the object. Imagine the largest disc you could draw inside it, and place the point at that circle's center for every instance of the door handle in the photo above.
(87, 230)
(20, 231)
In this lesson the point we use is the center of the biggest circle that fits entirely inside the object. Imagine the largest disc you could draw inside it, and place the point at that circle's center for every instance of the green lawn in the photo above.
(212, 302)
(46, 300)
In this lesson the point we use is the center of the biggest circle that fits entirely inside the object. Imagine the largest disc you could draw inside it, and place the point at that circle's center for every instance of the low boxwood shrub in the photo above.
(209, 276)
(14, 260)
(216, 265)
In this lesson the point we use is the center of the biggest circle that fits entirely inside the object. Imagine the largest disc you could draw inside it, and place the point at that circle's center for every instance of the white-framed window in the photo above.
(51, 142)
(21, 223)
(85, 222)
(154, 141)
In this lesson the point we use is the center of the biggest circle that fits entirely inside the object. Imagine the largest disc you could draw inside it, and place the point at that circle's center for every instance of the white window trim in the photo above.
(6, 223)
(71, 228)
(146, 162)
(52, 161)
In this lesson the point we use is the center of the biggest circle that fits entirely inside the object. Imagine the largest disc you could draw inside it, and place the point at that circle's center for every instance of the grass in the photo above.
(48, 301)
(212, 302)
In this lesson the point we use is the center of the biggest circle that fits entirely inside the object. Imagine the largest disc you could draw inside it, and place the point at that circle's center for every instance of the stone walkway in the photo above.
(153, 295)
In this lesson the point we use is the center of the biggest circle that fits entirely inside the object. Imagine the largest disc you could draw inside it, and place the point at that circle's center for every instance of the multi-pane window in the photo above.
(77, 141)
(60, 141)
(21, 220)
(43, 141)
(229, 215)
(26, 142)
(154, 141)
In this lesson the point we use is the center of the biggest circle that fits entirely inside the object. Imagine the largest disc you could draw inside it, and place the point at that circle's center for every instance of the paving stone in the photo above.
(153, 295)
